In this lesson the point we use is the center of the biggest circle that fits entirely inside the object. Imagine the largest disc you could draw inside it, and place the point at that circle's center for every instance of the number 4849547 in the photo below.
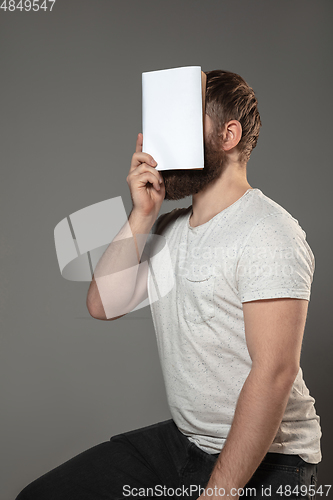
(304, 490)
(27, 5)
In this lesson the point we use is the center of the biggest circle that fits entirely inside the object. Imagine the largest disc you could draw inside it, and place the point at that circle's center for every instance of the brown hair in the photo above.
(229, 97)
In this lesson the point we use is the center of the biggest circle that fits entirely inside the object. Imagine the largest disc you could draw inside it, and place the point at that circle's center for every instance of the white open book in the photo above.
(173, 107)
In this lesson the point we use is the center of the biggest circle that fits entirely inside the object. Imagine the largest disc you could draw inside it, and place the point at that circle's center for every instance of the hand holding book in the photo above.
(145, 183)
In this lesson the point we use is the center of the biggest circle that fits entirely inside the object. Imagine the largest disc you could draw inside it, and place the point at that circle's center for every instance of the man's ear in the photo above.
(231, 134)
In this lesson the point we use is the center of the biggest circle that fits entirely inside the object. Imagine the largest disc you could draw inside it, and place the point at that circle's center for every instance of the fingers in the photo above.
(145, 177)
(143, 163)
(139, 179)
(142, 168)
(139, 158)
(139, 142)
(152, 175)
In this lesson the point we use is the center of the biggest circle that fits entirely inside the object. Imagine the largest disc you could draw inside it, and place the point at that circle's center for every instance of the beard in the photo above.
(181, 183)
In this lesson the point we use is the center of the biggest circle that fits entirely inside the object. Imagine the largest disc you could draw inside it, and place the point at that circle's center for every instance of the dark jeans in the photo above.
(161, 458)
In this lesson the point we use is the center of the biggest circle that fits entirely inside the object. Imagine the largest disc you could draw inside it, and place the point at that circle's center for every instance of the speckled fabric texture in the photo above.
(254, 249)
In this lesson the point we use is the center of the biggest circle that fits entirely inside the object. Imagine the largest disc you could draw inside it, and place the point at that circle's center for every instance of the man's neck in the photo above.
(217, 196)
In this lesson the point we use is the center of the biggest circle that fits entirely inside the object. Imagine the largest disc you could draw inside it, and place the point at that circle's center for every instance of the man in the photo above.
(229, 331)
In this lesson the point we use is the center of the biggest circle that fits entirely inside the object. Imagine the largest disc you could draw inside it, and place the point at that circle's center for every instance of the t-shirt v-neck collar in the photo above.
(204, 226)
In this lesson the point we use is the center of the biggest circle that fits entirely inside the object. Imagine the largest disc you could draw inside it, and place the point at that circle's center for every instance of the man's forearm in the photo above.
(116, 273)
(258, 414)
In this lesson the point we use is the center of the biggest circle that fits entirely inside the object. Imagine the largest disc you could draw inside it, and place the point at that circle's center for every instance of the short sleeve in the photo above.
(275, 261)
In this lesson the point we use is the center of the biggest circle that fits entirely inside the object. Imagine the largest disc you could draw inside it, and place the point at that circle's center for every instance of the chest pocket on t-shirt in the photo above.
(197, 298)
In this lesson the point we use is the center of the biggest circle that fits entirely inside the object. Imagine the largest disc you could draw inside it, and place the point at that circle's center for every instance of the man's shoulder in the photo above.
(261, 206)
(169, 219)
(271, 223)
(261, 217)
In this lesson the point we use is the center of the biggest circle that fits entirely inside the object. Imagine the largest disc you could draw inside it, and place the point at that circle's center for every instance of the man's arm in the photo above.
(119, 282)
(274, 331)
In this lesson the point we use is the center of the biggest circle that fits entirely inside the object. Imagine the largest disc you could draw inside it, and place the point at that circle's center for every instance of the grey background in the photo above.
(70, 92)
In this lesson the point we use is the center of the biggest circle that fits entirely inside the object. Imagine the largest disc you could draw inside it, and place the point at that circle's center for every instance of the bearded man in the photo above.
(229, 331)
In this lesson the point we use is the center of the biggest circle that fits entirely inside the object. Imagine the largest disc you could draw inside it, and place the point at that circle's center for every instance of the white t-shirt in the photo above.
(254, 249)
